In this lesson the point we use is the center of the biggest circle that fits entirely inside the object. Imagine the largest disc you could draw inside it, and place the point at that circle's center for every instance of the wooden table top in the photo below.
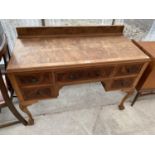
(53, 52)
(148, 47)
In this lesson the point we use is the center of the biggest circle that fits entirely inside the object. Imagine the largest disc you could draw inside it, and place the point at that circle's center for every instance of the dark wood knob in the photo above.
(34, 79)
(71, 76)
(122, 83)
(39, 92)
(97, 73)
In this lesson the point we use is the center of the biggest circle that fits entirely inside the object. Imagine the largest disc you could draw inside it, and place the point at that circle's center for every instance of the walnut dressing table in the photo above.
(47, 58)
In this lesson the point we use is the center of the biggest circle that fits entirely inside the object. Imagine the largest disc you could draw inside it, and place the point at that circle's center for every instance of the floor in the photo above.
(86, 109)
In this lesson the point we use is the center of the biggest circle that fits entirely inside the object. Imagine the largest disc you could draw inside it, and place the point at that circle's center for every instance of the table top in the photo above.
(148, 47)
(52, 52)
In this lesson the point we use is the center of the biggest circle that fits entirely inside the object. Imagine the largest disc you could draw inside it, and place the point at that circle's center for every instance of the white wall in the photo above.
(151, 34)
(9, 25)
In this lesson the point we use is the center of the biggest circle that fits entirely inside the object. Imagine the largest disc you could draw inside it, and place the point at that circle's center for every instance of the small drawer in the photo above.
(84, 74)
(36, 93)
(122, 83)
(129, 69)
(33, 79)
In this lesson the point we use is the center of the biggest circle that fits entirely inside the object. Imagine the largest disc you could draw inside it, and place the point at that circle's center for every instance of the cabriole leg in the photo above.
(121, 105)
(25, 109)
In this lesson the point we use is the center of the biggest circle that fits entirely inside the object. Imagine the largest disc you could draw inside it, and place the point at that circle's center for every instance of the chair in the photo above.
(6, 90)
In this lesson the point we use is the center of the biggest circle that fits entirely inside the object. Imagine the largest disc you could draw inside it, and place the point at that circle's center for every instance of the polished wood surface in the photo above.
(146, 84)
(41, 64)
(69, 31)
(49, 52)
(148, 47)
(147, 81)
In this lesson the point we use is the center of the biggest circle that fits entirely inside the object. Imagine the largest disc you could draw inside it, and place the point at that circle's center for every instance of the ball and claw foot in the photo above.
(121, 107)
(31, 122)
(30, 118)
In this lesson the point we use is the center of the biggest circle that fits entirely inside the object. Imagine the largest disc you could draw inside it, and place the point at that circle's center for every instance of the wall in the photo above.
(9, 25)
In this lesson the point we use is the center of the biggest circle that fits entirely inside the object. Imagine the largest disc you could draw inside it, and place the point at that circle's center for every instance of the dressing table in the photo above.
(45, 59)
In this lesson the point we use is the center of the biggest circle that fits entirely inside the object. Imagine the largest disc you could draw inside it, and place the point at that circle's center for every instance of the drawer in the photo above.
(85, 74)
(122, 83)
(129, 69)
(36, 93)
(33, 79)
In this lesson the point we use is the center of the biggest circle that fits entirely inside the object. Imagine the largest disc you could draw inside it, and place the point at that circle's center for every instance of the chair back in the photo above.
(4, 50)
(5, 55)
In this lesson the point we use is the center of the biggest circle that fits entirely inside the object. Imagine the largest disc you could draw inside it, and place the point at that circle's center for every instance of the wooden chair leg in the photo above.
(9, 124)
(9, 103)
(135, 98)
(17, 114)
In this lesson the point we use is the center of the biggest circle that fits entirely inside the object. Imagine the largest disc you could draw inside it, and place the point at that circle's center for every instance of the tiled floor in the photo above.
(87, 109)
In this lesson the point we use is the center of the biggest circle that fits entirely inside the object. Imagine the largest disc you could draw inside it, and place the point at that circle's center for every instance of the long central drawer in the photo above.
(84, 74)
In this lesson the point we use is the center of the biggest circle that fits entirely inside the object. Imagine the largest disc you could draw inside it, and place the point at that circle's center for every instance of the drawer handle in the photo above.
(129, 70)
(71, 76)
(34, 80)
(39, 92)
(97, 73)
(122, 83)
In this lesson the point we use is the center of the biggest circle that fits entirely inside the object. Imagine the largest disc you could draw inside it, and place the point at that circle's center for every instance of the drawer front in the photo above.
(129, 69)
(84, 74)
(122, 83)
(36, 93)
(33, 79)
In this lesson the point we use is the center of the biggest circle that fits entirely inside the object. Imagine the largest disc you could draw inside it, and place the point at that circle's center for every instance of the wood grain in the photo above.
(40, 53)
(68, 31)
(147, 81)
(48, 58)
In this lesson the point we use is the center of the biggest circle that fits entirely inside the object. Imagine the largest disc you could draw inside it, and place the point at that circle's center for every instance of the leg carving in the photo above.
(25, 109)
(121, 105)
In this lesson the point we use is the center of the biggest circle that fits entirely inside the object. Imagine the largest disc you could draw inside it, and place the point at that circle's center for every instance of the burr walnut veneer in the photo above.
(46, 58)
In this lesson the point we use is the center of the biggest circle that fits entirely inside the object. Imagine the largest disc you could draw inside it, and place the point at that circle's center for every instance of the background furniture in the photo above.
(146, 85)
(6, 90)
(47, 58)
